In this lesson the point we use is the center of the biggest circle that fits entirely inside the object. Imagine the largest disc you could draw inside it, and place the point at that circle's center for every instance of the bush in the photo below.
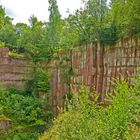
(26, 114)
(88, 120)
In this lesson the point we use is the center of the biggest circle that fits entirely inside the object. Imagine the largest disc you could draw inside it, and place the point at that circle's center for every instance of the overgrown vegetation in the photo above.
(42, 41)
(96, 21)
(25, 112)
(88, 120)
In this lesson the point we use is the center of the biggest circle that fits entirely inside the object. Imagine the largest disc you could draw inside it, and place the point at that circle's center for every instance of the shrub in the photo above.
(88, 120)
(26, 114)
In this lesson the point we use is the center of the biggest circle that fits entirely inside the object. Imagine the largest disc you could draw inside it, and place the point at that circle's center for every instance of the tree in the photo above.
(55, 24)
(90, 21)
(125, 14)
(133, 16)
(29, 38)
(3, 18)
(24, 37)
(52, 36)
(7, 33)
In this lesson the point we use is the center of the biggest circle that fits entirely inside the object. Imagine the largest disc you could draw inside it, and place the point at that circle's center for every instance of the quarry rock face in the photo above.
(93, 65)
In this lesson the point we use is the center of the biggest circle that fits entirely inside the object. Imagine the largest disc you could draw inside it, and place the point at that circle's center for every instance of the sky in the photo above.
(21, 10)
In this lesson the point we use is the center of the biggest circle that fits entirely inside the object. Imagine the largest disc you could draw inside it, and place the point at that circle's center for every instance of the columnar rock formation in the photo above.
(92, 65)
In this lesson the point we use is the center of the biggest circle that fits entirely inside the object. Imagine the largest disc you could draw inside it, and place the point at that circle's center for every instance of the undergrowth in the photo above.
(29, 116)
(88, 120)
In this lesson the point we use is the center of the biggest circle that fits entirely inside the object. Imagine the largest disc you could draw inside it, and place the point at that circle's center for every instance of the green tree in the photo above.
(54, 26)
(125, 14)
(90, 21)
(133, 16)
(3, 18)
(37, 30)
(7, 32)
(29, 38)
(24, 37)
(52, 36)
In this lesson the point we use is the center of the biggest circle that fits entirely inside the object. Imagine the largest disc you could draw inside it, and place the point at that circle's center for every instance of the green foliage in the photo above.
(93, 23)
(7, 34)
(51, 37)
(4, 20)
(39, 82)
(2, 44)
(97, 21)
(109, 35)
(39, 86)
(29, 37)
(26, 114)
(16, 55)
(88, 120)
(54, 25)
(43, 41)
(125, 14)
